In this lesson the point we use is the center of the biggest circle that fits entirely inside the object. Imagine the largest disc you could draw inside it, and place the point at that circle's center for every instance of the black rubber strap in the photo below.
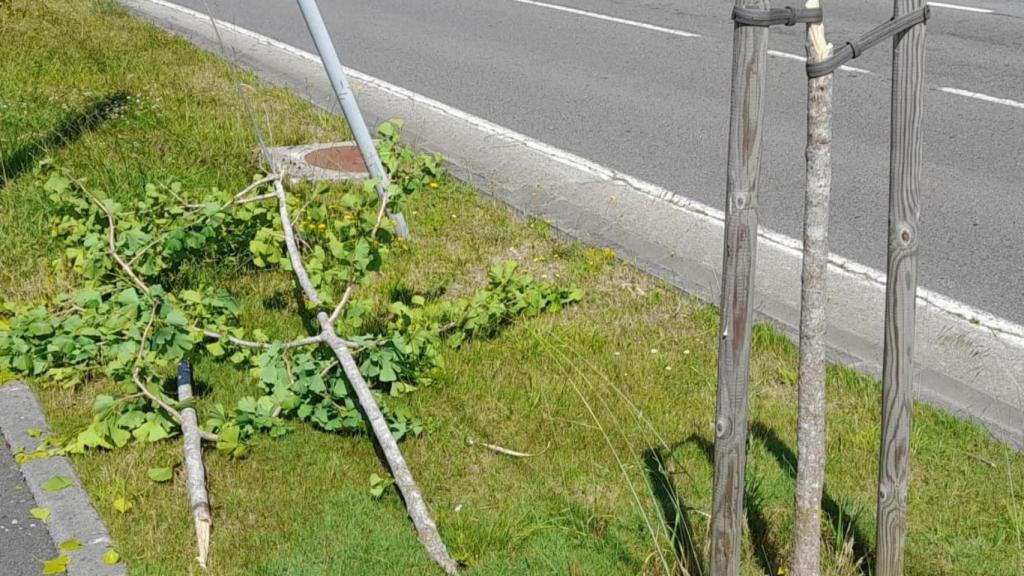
(854, 49)
(787, 16)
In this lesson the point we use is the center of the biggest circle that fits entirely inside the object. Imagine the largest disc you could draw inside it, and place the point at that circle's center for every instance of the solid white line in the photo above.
(607, 18)
(938, 301)
(789, 56)
(959, 7)
(985, 97)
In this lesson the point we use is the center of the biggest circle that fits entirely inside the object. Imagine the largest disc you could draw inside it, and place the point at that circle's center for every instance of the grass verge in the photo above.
(615, 396)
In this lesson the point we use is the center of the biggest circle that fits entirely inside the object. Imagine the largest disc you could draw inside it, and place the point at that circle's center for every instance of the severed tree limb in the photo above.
(501, 449)
(810, 479)
(112, 242)
(293, 249)
(414, 504)
(145, 391)
(195, 472)
(238, 198)
(264, 345)
(426, 528)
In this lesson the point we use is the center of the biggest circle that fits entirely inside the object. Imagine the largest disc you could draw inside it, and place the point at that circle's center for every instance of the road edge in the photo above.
(968, 362)
(71, 513)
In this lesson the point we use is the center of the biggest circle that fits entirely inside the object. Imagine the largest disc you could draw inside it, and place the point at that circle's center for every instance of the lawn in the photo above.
(614, 396)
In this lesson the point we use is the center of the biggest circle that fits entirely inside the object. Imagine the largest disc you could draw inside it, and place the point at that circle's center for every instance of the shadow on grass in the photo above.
(766, 551)
(673, 511)
(837, 514)
(70, 129)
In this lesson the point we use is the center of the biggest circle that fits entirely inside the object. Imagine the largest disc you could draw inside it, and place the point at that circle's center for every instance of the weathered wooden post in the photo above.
(749, 67)
(900, 291)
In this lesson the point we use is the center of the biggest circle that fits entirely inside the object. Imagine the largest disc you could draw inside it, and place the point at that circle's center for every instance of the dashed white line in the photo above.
(607, 18)
(985, 97)
(789, 56)
(959, 7)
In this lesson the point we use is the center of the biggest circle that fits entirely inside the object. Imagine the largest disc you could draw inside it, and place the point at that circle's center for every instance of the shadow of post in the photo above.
(766, 551)
(835, 513)
(673, 511)
(65, 133)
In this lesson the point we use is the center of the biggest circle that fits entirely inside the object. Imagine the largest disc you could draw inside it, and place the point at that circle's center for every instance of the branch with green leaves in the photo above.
(142, 301)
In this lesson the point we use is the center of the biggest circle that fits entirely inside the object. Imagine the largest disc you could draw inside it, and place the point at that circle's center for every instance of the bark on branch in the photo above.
(810, 477)
(417, 509)
(195, 471)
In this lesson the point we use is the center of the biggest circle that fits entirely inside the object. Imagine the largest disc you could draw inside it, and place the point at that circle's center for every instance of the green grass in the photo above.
(121, 104)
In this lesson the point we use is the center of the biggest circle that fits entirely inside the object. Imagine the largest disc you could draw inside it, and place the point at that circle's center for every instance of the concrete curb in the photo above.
(71, 513)
(969, 362)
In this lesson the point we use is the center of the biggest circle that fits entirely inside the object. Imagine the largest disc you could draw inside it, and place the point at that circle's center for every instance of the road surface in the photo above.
(642, 86)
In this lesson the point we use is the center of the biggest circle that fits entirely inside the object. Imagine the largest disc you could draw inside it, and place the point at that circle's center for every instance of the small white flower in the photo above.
(654, 350)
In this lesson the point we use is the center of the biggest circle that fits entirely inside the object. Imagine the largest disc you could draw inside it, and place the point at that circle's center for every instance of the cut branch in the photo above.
(293, 249)
(112, 243)
(426, 528)
(263, 345)
(414, 504)
(238, 198)
(502, 450)
(155, 399)
(195, 478)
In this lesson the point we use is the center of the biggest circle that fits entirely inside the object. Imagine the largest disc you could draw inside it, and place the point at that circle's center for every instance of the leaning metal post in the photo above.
(749, 67)
(347, 100)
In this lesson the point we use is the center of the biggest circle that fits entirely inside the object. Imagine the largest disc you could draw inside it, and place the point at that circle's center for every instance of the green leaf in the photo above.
(160, 474)
(34, 432)
(56, 184)
(70, 545)
(215, 348)
(57, 483)
(122, 505)
(151, 431)
(111, 557)
(176, 317)
(58, 565)
(40, 513)
(378, 485)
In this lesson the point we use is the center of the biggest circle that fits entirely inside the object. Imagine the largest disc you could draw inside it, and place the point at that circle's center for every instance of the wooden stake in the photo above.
(749, 67)
(195, 479)
(900, 292)
(810, 476)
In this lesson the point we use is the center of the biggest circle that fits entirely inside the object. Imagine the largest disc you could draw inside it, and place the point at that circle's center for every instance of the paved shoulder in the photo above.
(71, 513)
(24, 540)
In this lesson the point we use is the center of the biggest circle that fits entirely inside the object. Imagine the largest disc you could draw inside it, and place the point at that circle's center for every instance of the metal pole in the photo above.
(900, 292)
(749, 68)
(347, 100)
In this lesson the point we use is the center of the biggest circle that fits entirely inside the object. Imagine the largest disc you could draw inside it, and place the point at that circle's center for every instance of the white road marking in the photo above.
(964, 8)
(607, 18)
(940, 302)
(789, 56)
(985, 97)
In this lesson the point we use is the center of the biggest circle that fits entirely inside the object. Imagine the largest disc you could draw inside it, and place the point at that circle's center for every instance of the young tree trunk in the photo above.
(195, 480)
(810, 476)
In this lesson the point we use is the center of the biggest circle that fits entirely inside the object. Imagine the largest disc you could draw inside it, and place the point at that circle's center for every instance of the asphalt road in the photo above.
(24, 541)
(638, 94)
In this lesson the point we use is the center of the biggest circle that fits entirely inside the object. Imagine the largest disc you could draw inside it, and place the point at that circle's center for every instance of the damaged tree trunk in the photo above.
(195, 480)
(810, 477)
